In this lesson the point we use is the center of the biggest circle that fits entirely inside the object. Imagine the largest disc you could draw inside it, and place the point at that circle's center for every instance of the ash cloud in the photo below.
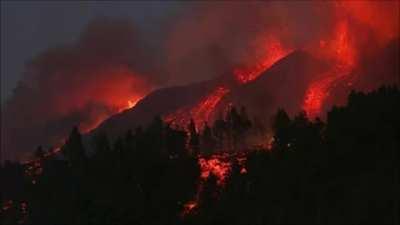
(209, 39)
(111, 63)
(77, 84)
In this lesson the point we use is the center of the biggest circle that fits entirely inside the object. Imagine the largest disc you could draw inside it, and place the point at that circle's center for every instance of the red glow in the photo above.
(342, 53)
(382, 17)
(125, 90)
(189, 207)
(201, 112)
(217, 165)
(7, 205)
(273, 51)
(316, 94)
(220, 165)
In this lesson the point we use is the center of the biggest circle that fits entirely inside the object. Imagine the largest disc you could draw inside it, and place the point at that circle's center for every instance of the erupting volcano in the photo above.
(204, 111)
(97, 82)
(216, 112)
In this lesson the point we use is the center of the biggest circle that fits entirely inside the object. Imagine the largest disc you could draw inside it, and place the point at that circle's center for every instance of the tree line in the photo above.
(340, 171)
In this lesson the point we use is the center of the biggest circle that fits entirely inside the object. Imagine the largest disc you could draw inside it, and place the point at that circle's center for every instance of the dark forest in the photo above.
(339, 171)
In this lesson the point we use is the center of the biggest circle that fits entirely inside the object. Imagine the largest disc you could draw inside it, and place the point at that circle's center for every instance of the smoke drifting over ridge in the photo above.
(209, 39)
(109, 66)
(79, 84)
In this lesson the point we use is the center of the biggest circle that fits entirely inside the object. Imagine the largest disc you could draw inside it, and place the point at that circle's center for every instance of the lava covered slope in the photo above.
(283, 85)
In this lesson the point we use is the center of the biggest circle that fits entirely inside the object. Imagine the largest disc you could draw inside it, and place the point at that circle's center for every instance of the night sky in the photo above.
(28, 28)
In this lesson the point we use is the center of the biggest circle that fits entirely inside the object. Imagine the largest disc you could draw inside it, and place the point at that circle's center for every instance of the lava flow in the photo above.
(342, 53)
(273, 52)
(218, 165)
(201, 112)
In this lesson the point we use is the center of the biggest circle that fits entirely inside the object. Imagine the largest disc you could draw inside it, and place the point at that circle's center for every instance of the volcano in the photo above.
(283, 85)
(172, 101)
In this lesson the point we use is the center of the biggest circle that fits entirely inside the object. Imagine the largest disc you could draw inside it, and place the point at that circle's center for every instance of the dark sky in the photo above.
(28, 28)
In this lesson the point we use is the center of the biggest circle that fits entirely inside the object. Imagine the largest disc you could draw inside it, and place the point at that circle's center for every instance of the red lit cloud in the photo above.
(78, 84)
(110, 67)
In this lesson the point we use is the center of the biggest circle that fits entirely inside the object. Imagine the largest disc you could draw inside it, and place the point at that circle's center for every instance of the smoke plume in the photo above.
(110, 67)
(78, 84)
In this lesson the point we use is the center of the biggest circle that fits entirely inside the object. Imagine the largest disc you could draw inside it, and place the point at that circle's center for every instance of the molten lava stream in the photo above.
(201, 112)
(274, 51)
(341, 51)
(316, 94)
(219, 165)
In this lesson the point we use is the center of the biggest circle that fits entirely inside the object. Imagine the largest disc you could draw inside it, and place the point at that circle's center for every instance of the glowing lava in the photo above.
(131, 104)
(273, 51)
(343, 54)
(218, 165)
(201, 112)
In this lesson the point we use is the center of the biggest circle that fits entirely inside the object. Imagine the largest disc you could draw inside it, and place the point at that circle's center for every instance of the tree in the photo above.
(220, 131)
(39, 153)
(74, 151)
(207, 140)
(101, 145)
(194, 137)
(281, 127)
(175, 142)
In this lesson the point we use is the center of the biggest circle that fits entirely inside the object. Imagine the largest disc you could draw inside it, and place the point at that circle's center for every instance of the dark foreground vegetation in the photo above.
(341, 171)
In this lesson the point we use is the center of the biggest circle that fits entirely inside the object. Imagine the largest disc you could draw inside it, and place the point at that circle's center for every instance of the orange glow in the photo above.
(342, 53)
(189, 207)
(216, 165)
(201, 112)
(382, 17)
(219, 165)
(273, 51)
(131, 104)
(343, 49)
(316, 94)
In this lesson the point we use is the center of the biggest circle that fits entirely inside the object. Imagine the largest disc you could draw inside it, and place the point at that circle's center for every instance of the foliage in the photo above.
(342, 171)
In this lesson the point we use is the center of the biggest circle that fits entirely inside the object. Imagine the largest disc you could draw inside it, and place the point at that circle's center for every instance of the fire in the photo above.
(273, 51)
